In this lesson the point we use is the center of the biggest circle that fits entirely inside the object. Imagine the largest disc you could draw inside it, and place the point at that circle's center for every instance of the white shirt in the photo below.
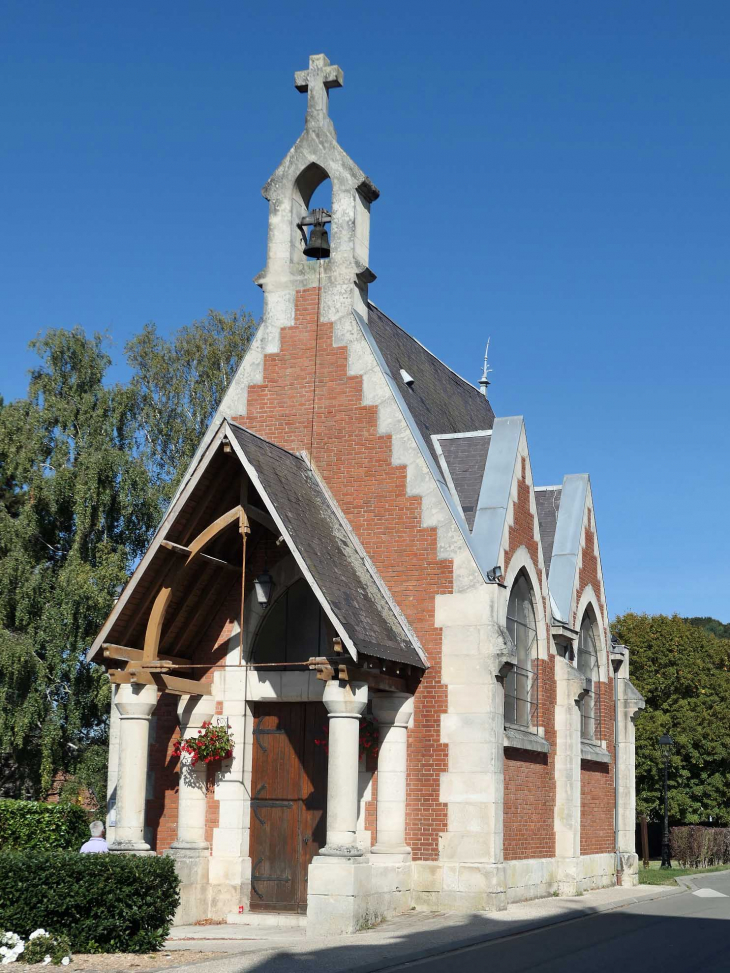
(94, 845)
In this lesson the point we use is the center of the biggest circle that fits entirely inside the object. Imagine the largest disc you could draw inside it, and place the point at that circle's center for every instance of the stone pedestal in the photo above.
(135, 705)
(191, 851)
(393, 711)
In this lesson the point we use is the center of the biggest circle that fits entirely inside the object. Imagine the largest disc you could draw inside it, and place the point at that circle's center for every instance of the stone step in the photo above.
(284, 919)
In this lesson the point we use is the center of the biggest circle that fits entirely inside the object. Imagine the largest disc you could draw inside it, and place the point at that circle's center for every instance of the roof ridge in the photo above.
(427, 350)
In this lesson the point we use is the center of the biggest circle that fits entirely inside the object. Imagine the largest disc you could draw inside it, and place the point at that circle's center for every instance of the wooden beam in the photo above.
(207, 558)
(126, 654)
(164, 682)
(255, 513)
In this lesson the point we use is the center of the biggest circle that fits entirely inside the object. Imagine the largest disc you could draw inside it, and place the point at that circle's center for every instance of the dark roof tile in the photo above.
(439, 400)
(466, 457)
(547, 502)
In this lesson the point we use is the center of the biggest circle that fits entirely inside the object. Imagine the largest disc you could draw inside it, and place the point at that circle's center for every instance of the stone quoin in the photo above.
(359, 539)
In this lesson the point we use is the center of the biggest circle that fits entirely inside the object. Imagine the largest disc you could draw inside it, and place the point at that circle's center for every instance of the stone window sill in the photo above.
(519, 738)
(594, 752)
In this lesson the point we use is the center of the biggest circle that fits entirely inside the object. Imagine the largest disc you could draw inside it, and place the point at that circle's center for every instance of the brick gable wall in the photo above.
(529, 778)
(321, 411)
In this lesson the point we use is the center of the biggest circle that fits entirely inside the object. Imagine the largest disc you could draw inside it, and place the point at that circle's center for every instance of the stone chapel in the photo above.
(406, 637)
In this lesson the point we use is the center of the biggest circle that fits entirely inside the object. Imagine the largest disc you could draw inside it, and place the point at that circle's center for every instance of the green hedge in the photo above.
(30, 824)
(103, 903)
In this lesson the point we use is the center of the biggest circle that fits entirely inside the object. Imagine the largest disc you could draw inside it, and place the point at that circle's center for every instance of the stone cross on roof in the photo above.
(317, 81)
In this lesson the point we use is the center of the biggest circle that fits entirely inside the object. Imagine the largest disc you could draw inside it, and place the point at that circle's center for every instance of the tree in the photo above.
(178, 385)
(683, 672)
(86, 468)
(77, 508)
(712, 625)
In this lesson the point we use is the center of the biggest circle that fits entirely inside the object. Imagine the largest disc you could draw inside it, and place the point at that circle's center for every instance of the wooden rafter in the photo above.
(123, 653)
(217, 562)
(179, 570)
(185, 629)
(163, 681)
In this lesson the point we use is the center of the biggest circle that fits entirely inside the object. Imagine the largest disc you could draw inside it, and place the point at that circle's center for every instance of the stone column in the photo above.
(393, 711)
(340, 894)
(630, 705)
(192, 712)
(345, 703)
(190, 850)
(571, 688)
(135, 705)
(113, 771)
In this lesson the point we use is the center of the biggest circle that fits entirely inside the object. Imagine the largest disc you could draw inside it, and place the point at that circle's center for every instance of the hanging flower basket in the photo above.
(211, 743)
(369, 737)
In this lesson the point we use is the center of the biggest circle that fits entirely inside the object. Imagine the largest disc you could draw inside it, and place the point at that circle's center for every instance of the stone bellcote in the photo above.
(315, 157)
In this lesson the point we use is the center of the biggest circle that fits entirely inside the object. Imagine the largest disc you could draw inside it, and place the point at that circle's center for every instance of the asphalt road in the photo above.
(678, 934)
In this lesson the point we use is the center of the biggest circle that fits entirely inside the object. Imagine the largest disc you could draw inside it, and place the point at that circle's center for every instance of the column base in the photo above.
(130, 848)
(189, 849)
(341, 851)
(394, 853)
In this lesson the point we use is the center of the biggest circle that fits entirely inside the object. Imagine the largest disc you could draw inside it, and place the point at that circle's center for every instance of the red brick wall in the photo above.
(161, 811)
(597, 780)
(529, 778)
(323, 413)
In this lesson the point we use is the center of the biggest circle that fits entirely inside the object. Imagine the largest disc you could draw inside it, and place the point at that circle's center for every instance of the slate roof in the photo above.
(439, 400)
(465, 458)
(547, 502)
(328, 551)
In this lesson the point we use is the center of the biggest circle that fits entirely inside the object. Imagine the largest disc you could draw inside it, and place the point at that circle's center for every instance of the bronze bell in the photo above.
(319, 243)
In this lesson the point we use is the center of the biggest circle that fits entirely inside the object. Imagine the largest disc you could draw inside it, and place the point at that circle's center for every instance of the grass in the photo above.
(654, 875)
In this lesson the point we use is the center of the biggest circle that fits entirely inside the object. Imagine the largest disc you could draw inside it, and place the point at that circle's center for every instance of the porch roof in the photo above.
(339, 572)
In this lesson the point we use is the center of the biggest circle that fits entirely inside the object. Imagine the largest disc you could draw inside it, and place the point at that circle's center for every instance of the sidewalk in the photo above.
(412, 936)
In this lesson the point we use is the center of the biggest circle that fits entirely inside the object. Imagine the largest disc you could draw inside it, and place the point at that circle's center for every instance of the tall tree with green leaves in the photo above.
(77, 509)
(178, 385)
(683, 671)
(86, 468)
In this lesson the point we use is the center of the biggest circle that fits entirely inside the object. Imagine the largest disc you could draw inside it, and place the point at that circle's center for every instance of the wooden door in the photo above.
(289, 788)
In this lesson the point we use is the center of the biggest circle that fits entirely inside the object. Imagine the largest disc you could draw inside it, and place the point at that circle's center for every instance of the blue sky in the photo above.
(554, 175)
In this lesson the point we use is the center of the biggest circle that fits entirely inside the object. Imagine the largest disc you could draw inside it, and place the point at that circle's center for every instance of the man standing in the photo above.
(96, 843)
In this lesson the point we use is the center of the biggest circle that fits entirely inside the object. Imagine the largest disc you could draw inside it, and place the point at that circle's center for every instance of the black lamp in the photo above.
(263, 585)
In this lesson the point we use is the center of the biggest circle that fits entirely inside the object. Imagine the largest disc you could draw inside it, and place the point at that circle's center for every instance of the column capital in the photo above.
(393, 709)
(193, 711)
(136, 702)
(345, 699)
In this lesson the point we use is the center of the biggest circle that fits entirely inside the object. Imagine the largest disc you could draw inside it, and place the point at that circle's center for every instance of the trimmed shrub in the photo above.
(694, 846)
(31, 824)
(102, 903)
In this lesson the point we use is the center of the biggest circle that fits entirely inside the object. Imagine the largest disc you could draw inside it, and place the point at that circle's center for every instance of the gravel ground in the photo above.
(111, 962)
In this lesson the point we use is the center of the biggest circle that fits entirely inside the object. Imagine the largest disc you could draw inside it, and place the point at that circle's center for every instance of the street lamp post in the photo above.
(666, 745)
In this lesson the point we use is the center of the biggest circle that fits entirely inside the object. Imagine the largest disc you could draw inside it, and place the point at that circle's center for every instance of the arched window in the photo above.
(590, 705)
(520, 686)
(293, 629)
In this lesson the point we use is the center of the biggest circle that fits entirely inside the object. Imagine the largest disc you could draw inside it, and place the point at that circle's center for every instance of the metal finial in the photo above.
(484, 381)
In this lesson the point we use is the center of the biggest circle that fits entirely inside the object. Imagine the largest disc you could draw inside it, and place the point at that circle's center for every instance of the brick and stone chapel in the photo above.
(405, 636)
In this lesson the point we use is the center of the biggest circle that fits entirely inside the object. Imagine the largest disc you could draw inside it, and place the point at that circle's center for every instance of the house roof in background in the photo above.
(439, 400)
